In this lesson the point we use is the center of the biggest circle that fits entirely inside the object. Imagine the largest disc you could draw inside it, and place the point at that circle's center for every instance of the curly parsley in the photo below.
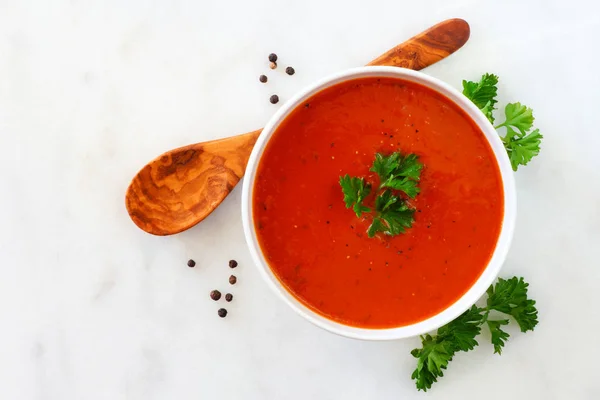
(521, 142)
(507, 296)
(398, 174)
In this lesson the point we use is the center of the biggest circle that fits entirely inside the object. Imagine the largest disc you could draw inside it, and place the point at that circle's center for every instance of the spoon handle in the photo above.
(183, 186)
(428, 47)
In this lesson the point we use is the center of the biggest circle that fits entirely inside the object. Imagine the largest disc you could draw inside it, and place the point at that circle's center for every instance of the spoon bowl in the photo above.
(180, 188)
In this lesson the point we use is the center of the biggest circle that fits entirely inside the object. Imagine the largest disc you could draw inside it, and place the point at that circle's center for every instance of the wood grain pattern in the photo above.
(428, 47)
(181, 187)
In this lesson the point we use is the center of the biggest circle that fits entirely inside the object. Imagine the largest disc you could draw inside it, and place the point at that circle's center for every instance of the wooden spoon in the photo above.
(181, 187)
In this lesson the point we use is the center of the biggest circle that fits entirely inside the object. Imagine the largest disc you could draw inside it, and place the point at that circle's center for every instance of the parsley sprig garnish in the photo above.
(507, 296)
(521, 142)
(398, 175)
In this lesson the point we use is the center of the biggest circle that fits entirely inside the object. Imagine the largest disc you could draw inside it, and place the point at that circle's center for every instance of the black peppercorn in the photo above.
(215, 295)
(273, 65)
(222, 312)
(263, 78)
(228, 297)
(233, 264)
(191, 263)
(290, 71)
(272, 57)
(274, 99)
(232, 279)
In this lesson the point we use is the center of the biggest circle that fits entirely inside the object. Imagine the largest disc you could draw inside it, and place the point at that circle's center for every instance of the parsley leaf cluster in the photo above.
(521, 142)
(399, 176)
(507, 296)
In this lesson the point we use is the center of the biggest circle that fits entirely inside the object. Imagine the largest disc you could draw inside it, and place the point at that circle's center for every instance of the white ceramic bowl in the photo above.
(487, 277)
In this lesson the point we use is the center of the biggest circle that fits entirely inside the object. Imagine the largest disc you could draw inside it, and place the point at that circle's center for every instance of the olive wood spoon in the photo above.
(181, 187)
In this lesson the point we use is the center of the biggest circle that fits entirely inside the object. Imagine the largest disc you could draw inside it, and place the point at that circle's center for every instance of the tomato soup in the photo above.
(319, 249)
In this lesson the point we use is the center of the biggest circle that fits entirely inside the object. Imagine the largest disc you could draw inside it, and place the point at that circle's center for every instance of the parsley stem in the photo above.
(486, 315)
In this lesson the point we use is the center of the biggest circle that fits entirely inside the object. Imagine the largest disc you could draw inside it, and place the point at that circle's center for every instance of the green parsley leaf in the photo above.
(386, 200)
(437, 351)
(463, 330)
(520, 145)
(509, 296)
(398, 172)
(488, 111)
(433, 358)
(405, 185)
(518, 116)
(521, 149)
(393, 215)
(355, 191)
(409, 167)
(498, 335)
(483, 93)
(398, 218)
(376, 226)
(385, 165)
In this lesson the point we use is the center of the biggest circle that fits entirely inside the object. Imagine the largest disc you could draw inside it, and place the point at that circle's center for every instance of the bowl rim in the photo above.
(482, 283)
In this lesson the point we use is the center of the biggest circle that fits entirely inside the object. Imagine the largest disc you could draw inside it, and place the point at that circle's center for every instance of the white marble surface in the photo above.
(93, 308)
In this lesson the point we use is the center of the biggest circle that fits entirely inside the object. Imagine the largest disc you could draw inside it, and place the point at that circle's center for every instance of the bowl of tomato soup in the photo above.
(317, 254)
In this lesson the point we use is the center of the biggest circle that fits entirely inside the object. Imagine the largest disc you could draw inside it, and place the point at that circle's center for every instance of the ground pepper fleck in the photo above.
(222, 312)
(191, 263)
(215, 295)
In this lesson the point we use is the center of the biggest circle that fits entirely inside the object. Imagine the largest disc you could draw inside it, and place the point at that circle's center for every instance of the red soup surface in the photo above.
(319, 249)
